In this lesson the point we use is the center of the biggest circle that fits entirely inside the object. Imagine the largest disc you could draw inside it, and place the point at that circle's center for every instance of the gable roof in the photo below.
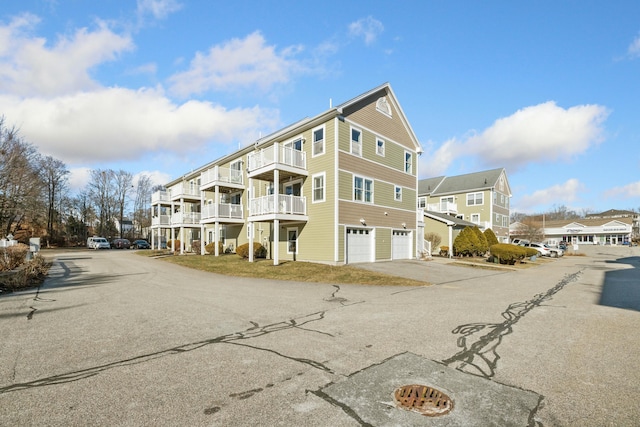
(448, 219)
(476, 181)
(427, 186)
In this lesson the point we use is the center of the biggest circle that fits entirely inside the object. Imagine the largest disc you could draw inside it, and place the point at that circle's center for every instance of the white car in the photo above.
(98, 243)
(544, 250)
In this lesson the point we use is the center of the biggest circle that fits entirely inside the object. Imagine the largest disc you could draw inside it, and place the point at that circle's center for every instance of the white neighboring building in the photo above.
(589, 231)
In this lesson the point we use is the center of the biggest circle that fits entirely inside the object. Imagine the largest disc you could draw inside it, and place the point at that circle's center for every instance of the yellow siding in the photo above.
(383, 243)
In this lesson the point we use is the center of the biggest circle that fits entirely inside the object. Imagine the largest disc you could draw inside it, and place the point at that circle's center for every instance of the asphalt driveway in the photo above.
(116, 339)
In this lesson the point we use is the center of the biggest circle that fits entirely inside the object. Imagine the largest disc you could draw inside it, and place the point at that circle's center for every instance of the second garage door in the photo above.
(401, 243)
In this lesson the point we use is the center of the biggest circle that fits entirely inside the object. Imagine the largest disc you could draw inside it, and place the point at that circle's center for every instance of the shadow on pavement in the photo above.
(621, 288)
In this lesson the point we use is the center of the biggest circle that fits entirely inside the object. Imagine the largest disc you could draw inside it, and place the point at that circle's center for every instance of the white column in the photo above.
(216, 238)
(276, 222)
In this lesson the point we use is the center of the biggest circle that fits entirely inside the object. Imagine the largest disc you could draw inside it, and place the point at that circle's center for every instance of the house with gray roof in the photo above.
(481, 198)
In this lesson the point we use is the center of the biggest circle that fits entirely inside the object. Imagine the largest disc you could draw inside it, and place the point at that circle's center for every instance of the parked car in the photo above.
(121, 244)
(543, 250)
(519, 242)
(96, 242)
(140, 244)
(555, 252)
(562, 245)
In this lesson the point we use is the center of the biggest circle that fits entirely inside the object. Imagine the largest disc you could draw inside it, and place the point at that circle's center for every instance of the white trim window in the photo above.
(317, 141)
(408, 162)
(380, 147)
(397, 193)
(318, 182)
(475, 199)
(356, 142)
(475, 218)
(422, 202)
(292, 240)
(362, 189)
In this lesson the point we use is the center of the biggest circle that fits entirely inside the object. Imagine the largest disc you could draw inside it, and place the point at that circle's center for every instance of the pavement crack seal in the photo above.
(254, 331)
(480, 357)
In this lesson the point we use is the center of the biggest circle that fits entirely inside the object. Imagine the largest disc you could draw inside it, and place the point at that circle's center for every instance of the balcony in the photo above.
(162, 220)
(221, 176)
(224, 212)
(285, 207)
(185, 191)
(189, 218)
(444, 206)
(160, 197)
(262, 163)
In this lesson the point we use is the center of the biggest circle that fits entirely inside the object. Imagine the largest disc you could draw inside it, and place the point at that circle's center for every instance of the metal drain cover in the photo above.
(423, 400)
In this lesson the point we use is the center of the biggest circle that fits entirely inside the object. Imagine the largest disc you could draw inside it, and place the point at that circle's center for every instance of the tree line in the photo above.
(36, 201)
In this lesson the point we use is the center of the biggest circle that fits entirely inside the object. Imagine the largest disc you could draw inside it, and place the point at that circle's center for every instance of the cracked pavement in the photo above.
(116, 339)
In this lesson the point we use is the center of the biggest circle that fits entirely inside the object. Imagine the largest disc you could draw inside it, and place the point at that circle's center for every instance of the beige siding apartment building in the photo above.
(340, 187)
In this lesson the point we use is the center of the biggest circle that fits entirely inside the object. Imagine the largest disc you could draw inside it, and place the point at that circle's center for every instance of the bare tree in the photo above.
(141, 212)
(102, 192)
(531, 230)
(20, 185)
(54, 175)
(123, 185)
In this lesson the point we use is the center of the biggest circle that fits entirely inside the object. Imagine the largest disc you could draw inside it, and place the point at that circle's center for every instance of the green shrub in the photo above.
(491, 237)
(259, 251)
(210, 248)
(508, 253)
(482, 245)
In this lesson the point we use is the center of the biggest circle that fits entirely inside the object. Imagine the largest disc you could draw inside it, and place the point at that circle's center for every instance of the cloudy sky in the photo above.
(549, 90)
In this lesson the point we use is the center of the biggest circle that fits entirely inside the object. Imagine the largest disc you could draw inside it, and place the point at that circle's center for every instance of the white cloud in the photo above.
(237, 64)
(29, 66)
(159, 9)
(368, 28)
(627, 191)
(567, 192)
(536, 134)
(634, 48)
(436, 164)
(116, 123)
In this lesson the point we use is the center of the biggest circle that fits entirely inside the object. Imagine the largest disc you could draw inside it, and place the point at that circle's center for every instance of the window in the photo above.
(292, 238)
(397, 194)
(236, 171)
(318, 188)
(475, 199)
(422, 202)
(362, 189)
(356, 142)
(380, 147)
(475, 218)
(317, 137)
(407, 162)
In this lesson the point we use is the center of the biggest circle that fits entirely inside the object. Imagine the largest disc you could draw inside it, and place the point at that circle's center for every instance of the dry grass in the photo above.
(298, 271)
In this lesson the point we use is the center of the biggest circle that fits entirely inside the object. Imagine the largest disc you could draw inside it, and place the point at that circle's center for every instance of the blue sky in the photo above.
(549, 90)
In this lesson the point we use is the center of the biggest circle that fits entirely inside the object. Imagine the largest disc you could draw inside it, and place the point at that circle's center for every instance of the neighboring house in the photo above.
(447, 227)
(340, 187)
(583, 231)
(127, 226)
(481, 198)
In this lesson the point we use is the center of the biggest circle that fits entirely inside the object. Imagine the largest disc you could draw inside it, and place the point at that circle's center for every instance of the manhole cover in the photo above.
(423, 400)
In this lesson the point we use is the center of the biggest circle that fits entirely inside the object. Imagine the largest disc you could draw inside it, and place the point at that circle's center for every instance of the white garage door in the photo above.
(401, 244)
(359, 245)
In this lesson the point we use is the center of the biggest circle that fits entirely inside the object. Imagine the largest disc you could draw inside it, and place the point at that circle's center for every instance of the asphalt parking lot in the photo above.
(116, 339)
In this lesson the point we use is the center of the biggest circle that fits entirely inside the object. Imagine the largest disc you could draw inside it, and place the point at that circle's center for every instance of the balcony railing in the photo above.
(223, 210)
(185, 191)
(161, 220)
(160, 196)
(186, 218)
(277, 154)
(221, 175)
(443, 207)
(286, 204)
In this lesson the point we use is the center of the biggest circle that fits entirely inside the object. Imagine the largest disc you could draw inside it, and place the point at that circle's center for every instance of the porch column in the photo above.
(181, 240)
(202, 236)
(276, 221)
(216, 238)
(250, 225)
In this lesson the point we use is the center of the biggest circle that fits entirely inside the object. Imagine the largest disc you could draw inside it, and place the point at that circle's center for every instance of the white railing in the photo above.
(160, 196)
(277, 154)
(221, 174)
(161, 220)
(286, 204)
(185, 190)
(186, 218)
(443, 207)
(223, 210)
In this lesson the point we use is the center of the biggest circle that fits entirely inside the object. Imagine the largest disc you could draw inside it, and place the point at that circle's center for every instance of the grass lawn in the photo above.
(298, 271)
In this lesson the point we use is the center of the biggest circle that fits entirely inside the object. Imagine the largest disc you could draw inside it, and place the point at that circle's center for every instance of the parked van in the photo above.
(98, 243)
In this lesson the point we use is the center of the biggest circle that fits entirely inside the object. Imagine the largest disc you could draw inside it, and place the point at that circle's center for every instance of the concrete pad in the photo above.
(368, 396)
